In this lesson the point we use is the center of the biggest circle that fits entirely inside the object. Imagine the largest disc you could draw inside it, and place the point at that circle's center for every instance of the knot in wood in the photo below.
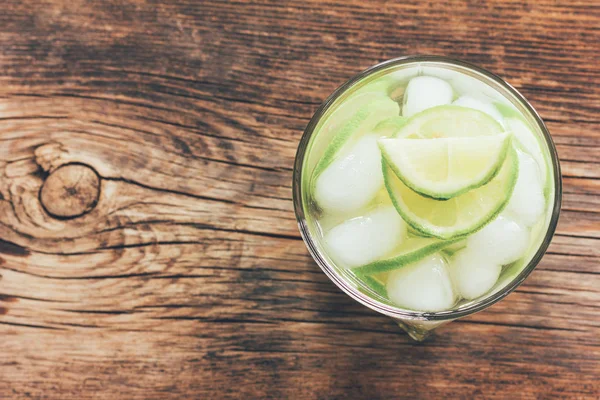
(70, 191)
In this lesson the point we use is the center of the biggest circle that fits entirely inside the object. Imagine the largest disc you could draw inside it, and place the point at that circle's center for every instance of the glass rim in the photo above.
(354, 292)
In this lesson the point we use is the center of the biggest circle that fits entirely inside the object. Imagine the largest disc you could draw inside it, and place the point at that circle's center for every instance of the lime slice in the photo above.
(391, 84)
(449, 121)
(382, 85)
(508, 110)
(374, 284)
(358, 115)
(460, 215)
(389, 127)
(409, 252)
(446, 167)
(454, 248)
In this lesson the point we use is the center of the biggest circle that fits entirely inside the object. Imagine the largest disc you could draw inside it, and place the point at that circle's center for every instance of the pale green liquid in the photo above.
(393, 84)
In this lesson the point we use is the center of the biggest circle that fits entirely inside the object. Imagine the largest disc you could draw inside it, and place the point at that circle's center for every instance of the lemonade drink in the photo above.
(427, 188)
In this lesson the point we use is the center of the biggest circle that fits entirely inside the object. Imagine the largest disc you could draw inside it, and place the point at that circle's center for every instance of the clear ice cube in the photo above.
(464, 84)
(422, 286)
(353, 180)
(425, 92)
(528, 140)
(472, 274)
(364, 239)
(477, 104)
(527, 202)
(502, 241)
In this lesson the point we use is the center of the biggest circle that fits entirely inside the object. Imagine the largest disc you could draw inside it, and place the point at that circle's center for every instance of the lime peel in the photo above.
(450, 167)
(364, 119)
(412, 251)
(496, 194)
(373, 284)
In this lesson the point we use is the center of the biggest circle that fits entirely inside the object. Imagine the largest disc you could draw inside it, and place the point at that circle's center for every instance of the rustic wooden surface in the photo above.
(166, 262)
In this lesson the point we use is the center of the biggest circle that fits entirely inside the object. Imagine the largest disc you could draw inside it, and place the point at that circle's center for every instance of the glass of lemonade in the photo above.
(427, 189)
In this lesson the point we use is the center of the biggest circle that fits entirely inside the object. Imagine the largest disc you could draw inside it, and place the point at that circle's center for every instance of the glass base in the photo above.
(419, 330)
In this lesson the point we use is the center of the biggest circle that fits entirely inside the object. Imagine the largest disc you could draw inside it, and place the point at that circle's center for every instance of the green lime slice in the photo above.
(460, 215)
(449, 251)
(446, 167)
(390, 127)
(358, 115)
(380, 86)
(408, 252)
(449, 121)
(507, 110)
(374, 284)
(392, 84)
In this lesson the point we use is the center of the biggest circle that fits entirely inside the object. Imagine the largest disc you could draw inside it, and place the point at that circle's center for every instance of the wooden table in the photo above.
(149, 248)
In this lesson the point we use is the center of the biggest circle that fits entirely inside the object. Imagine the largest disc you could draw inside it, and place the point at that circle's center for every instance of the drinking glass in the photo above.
(459, 73)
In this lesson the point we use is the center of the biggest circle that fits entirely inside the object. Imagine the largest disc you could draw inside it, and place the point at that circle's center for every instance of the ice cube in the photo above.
(351, 181)
(424, 92)
(472, 274)
(527, 202)
(502, 241)
(527, 138)
(463, 83)
(422, 286)
(361, 240)
(477, 104)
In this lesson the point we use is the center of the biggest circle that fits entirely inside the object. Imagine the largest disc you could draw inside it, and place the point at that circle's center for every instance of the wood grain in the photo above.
(164, 261)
